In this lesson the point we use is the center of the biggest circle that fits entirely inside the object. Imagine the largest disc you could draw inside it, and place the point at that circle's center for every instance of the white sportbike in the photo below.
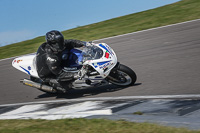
(96, 65)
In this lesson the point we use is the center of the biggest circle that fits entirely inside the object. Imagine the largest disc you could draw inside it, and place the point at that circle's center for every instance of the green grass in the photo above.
(174, 13)
(84, 126)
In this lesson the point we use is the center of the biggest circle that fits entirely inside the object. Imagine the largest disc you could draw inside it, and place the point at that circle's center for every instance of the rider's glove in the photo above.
(87, 44)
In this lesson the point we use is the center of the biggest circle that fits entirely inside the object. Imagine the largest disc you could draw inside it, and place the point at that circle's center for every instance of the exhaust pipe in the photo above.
(39, 86)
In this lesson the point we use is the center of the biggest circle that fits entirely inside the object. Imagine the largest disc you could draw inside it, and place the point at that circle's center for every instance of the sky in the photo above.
(26, 19)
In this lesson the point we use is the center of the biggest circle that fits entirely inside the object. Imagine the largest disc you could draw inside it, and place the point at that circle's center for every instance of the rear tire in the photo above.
(123, 76)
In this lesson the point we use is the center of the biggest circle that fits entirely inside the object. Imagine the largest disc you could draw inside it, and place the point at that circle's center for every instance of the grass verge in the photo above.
(174, 13)
(84, 126)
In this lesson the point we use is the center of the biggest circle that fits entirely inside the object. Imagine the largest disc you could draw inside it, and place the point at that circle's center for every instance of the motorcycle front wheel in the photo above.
(123, 76)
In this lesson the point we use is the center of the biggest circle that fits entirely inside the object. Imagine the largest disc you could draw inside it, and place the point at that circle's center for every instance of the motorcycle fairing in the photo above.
(107, 48)
(103, 65)
(26, 64)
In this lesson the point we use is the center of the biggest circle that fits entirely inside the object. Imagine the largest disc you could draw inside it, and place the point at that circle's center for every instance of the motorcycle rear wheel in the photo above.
(123, 76)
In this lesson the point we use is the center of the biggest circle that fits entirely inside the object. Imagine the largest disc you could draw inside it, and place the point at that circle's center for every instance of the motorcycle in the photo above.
(96, 65)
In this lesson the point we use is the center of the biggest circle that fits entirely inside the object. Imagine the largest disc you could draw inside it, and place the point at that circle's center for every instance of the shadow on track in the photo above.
(75, 93)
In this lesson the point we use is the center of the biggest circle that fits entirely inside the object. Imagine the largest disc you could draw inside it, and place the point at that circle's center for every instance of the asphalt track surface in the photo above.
(166, 61)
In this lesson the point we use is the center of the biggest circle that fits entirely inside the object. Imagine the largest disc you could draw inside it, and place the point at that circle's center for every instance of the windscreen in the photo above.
(78, 56)
(91, 53)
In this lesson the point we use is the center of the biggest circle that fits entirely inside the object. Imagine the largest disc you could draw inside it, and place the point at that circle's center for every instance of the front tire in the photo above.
(122, 76)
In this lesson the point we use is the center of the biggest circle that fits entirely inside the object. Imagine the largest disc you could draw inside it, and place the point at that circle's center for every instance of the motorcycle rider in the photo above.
(49, 59)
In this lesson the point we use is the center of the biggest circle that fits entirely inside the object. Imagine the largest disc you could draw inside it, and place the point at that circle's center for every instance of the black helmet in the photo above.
(56, 40)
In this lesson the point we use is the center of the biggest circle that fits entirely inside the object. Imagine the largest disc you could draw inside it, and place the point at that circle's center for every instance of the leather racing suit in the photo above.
(48, 62)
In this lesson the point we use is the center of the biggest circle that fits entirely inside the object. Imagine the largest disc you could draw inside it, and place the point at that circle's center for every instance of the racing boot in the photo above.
(68, 76)
(60, 86)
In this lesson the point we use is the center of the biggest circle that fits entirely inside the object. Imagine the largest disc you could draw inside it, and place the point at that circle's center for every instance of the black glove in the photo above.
(87, 44)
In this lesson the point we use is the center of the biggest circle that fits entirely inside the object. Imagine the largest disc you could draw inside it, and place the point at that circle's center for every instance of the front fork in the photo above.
(115, 68)
(114, 72)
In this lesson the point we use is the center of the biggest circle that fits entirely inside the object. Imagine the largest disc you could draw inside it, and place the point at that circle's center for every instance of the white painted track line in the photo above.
(197, 96)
